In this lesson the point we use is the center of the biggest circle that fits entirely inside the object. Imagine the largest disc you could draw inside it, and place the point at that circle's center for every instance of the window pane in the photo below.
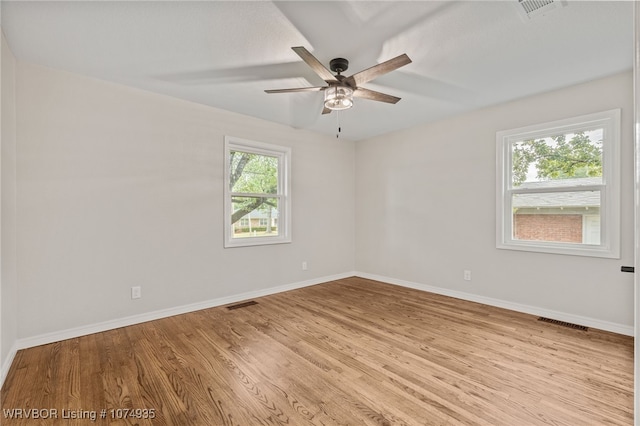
(253, 173)
(254, 217)
(557, 158)
(567, 217)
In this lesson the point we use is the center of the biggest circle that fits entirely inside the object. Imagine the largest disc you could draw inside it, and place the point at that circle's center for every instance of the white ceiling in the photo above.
(225, 53)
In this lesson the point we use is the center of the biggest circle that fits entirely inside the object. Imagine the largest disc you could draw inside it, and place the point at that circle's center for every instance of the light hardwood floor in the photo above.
(347, 352)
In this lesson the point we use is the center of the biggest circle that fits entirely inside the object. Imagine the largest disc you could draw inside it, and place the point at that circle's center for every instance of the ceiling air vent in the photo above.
(530, 9)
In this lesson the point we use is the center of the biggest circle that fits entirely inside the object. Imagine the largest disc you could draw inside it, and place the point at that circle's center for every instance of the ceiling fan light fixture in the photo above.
(338, 97)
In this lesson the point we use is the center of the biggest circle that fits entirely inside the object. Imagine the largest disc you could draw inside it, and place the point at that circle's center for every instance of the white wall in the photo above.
(118, 188)
(8, 283)
(425, 211)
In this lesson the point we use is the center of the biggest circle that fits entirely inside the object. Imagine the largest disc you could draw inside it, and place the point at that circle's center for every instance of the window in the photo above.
(558, 186)
(257, 188)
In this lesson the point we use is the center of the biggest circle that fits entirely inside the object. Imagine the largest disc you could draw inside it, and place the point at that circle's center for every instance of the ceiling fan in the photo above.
(340, 90)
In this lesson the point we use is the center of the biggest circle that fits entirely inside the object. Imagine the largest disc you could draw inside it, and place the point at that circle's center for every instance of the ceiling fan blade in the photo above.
(326, 110)
(375, 96)
(315, 64)
(299, 89)
(377, 70)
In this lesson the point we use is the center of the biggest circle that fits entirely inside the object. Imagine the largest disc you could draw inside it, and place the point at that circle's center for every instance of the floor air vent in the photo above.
(242, 305)
(564, 324)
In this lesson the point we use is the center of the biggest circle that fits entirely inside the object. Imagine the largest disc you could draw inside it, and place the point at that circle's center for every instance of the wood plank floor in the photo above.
(348, 352)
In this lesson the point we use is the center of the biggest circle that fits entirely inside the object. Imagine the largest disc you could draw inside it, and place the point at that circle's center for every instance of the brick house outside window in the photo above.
(570, 217)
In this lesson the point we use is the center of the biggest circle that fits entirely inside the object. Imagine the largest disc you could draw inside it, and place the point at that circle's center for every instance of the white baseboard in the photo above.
(4, 368)
(57, 336)
(627, 330)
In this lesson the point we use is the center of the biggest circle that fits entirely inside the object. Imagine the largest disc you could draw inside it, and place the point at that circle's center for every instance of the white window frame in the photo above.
(283, 154)
(609, 246)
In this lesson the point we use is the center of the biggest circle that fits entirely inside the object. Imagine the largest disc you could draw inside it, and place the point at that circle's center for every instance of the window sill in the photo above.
(559, 248)
(251, 242)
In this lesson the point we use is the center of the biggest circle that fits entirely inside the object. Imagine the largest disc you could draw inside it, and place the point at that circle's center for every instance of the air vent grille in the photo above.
(533, 8)
(242, 305)
(533, 5)
(564, 324)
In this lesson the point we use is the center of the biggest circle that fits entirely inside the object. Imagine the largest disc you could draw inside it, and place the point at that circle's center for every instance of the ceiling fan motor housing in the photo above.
(339, 65)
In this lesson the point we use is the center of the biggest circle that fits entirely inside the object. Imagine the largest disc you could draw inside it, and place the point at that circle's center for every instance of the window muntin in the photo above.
(558, 186)
(257, 201)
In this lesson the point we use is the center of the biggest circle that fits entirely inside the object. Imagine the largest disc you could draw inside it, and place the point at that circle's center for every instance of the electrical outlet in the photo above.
(305, 265)
(467, 275)
(136, 292)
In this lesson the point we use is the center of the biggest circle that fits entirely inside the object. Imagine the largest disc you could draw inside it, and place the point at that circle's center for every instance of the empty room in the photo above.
(318, 212)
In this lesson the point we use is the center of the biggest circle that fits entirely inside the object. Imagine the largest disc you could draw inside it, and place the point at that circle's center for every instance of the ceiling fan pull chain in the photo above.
(338, 121)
